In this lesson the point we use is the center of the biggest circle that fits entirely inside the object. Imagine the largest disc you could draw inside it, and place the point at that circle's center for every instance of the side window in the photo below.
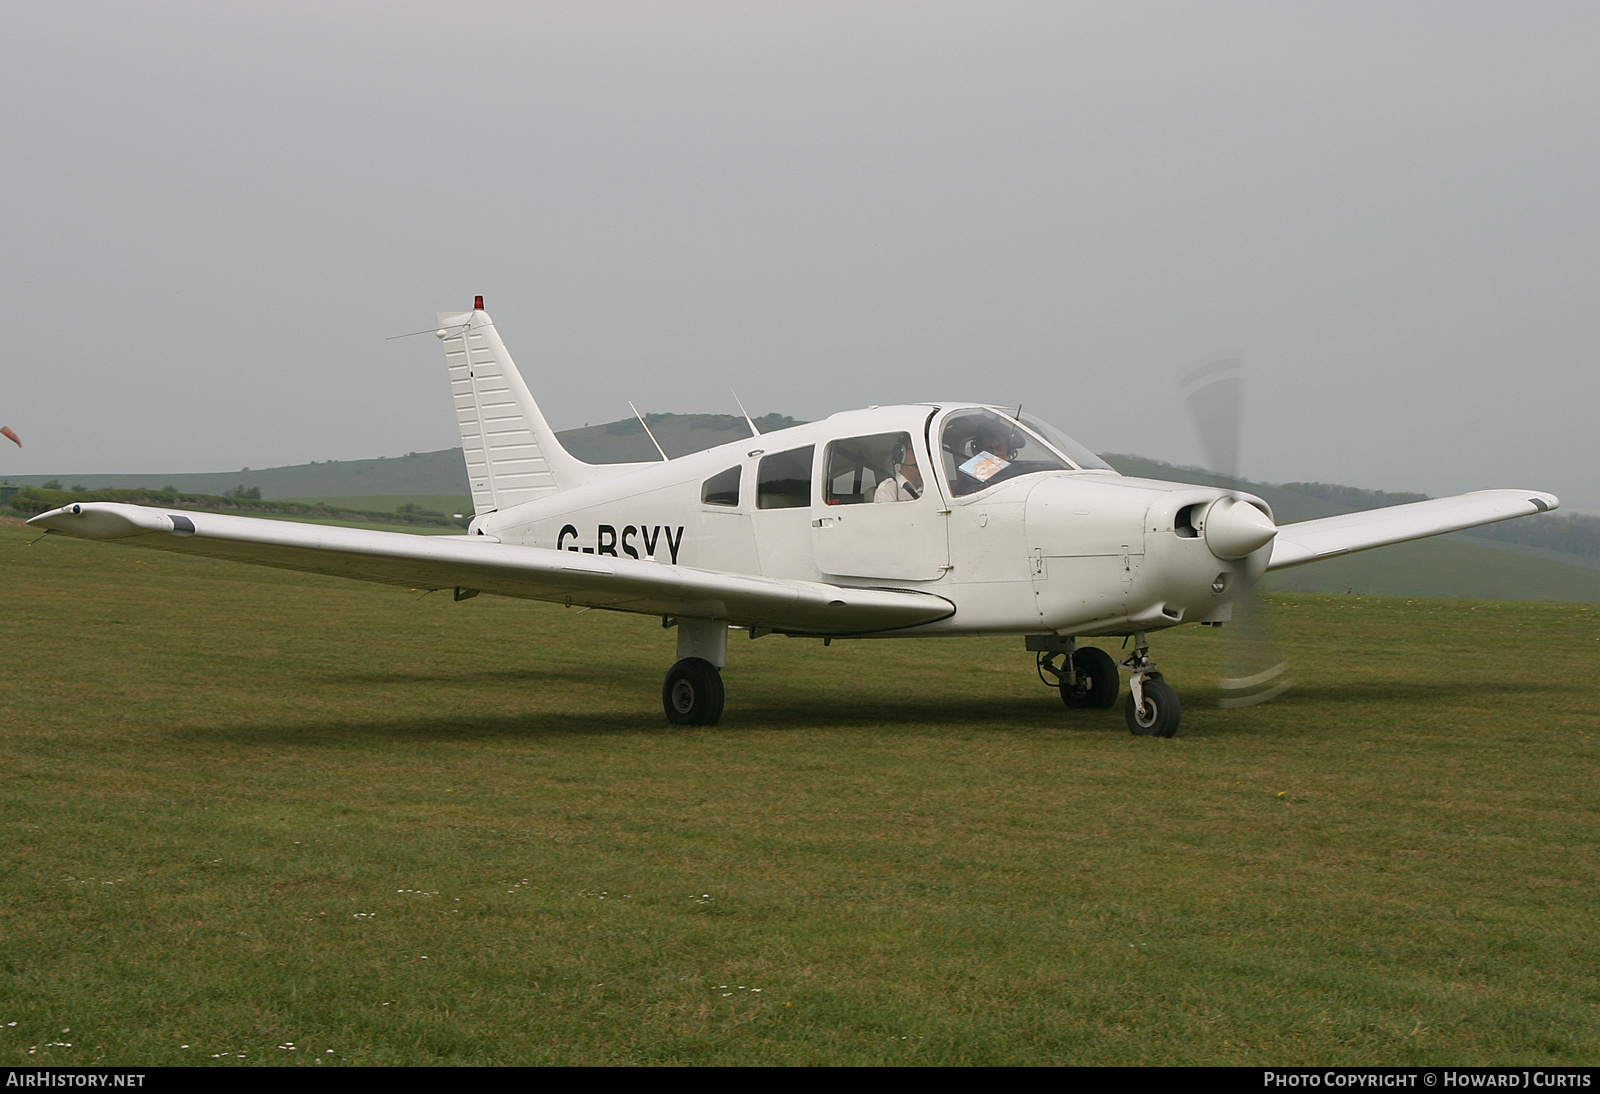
(857, 465)
(721, 488)
(784, 481)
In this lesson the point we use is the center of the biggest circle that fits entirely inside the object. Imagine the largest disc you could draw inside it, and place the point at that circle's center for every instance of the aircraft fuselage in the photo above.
(1072, 552)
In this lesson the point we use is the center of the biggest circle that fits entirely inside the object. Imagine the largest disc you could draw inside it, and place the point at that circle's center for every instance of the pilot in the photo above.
(906, 485)
(993, 440)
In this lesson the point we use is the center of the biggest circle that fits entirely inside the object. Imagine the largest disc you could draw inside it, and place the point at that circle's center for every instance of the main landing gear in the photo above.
(1086, 677)
(692, 692)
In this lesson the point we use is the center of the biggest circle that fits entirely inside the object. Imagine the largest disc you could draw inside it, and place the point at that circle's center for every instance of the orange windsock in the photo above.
(5, 429)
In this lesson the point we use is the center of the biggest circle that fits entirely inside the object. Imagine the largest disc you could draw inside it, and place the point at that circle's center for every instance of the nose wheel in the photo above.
(1153, 709)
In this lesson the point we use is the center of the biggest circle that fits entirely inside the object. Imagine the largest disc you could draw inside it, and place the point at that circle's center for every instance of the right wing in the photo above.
(1311, 540)
(481, 564)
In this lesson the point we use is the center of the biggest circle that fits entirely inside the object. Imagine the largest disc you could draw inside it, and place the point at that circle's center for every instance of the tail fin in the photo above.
(512, 453)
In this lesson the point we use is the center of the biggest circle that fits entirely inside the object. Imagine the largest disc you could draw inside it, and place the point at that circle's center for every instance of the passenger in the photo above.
(906, 485)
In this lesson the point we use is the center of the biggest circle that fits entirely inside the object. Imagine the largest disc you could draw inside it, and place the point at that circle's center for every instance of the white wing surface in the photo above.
(1309, 541)
(479, 563)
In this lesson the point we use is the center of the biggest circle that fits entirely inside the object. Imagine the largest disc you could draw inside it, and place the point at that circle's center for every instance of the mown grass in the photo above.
(245, 809)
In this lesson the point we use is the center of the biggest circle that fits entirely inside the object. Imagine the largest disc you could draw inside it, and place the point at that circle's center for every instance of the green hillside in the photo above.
(678, 435)
(440, 473)
(1462, 565)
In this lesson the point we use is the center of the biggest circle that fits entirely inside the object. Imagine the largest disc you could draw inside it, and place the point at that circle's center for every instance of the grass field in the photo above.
(256, 817)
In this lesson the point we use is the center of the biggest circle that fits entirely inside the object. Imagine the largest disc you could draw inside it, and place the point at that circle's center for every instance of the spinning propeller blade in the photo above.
(1253, 668)
(1213, 391)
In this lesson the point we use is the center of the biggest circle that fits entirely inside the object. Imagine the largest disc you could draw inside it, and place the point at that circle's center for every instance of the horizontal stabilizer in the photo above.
(1329, 537)
(485, 565)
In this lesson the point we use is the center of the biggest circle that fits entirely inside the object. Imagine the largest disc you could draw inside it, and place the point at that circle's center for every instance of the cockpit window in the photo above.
(982, 447)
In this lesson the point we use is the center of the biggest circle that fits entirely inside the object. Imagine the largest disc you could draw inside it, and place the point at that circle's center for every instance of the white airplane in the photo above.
(890, 522)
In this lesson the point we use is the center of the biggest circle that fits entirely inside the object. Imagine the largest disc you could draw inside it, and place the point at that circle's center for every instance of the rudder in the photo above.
(512, 454)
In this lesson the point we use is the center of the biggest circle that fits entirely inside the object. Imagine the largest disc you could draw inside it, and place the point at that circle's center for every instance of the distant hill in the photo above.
(417, 473)
(678, 434)
(29, 500)
(433, 473)
(1552, 557)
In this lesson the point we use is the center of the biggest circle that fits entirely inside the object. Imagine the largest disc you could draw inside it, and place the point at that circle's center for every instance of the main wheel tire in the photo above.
(1160, 712)
(1096, 687)
(692, 693)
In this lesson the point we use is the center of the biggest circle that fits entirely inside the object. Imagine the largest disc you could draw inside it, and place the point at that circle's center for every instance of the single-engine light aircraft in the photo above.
(890, 522)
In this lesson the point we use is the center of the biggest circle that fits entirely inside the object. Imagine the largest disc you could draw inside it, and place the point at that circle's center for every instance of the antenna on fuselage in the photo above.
(754, 432)
(647, 432)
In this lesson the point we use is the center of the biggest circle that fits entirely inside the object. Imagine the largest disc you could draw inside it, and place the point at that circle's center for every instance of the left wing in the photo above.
(1308, 541)
(486, 565)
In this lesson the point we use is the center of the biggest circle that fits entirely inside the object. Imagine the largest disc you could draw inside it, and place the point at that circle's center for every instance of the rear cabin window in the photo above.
(784, 481)
(721, 488)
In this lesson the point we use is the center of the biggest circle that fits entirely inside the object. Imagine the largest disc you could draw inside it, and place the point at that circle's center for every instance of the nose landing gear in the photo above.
(1153, 709)
(1086, 677)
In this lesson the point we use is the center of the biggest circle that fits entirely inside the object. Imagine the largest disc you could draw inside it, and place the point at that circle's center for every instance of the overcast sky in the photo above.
(215, 214)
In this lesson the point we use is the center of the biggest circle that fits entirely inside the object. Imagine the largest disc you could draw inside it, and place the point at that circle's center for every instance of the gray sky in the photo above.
(215, 214)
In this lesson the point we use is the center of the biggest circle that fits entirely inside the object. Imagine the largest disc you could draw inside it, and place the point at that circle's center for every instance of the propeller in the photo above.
(1253, 668)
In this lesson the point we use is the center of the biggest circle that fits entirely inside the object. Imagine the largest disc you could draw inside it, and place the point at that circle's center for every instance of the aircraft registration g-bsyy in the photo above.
(894, 521)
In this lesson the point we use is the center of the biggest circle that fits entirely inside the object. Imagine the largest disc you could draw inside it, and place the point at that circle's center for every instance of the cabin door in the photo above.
(875, 516)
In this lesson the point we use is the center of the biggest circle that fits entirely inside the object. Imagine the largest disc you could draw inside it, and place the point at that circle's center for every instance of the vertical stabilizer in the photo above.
(512, 453)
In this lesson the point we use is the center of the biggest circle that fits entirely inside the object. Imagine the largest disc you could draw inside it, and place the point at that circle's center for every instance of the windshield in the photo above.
(1074, 451)
(982, 447)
